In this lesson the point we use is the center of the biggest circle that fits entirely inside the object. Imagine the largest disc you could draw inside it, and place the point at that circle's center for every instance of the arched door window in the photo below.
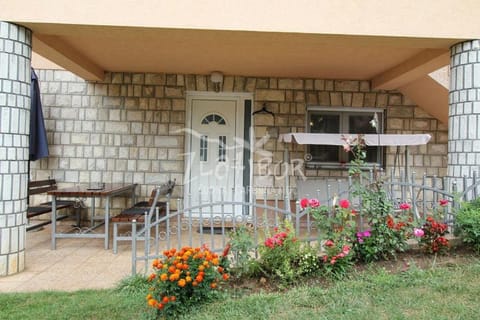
(213, 118)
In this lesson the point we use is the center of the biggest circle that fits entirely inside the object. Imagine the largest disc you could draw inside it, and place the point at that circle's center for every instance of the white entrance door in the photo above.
(215, 148)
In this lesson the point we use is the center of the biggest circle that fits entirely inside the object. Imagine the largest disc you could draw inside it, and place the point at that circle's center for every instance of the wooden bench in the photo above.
(40, 187)
(141, 211)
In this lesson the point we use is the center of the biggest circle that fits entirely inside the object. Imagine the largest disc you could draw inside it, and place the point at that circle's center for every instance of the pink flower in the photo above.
(345, 249)
(417, 232)
(334, 259)
(304, 203)
(341, 255)
(329, 243)
(313, 203)
(344, 203)
(443, 202)
(347, 147)
(405, 206)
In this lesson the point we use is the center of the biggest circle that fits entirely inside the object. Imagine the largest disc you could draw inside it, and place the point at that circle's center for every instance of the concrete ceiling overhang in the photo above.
(390, 63)
(91, 50)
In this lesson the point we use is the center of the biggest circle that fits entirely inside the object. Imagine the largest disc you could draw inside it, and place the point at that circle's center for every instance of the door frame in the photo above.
(191, 95)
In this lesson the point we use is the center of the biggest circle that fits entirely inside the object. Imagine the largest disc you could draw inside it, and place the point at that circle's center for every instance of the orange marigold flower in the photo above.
(220, 269)
(163, 277)
(188, 279)
(152, 302)
(225, 276)
(174, 277)
(148, 297)
(213, 285)
(199, 278)
(215, 261)
(171, 269)
(194, 283)
(151, 277)
(160, 306)
(206, 264)
(201, 267)
(165, 299)
(182, 283)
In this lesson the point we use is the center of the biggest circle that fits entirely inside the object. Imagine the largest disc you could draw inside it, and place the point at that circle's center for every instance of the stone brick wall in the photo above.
(126, 128)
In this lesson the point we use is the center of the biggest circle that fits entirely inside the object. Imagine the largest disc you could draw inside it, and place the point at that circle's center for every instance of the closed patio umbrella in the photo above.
(38, 135)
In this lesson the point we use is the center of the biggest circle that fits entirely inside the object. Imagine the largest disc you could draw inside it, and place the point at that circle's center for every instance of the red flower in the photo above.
(443, 202)
(226, 250)
(304, 203)
(269, 243)
(344, 203)
(329, 243)
(390, 222)
(405, 206)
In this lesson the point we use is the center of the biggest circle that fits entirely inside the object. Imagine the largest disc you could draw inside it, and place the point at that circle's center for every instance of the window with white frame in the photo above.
(344, 121)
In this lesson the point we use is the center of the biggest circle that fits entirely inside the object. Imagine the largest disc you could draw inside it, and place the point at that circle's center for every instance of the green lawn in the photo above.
(442, 293)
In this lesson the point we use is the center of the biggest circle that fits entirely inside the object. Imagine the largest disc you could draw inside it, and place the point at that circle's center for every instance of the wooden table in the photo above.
(106, 190)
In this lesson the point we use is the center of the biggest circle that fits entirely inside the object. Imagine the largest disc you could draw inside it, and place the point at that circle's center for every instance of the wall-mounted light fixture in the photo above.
(217, 79)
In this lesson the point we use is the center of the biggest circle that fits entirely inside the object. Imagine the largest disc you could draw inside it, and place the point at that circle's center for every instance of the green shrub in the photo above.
(284, 258)
(242, 247)
(467, 224)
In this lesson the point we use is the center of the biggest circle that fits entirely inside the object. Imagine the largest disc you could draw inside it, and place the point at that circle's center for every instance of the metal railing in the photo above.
(210, 219)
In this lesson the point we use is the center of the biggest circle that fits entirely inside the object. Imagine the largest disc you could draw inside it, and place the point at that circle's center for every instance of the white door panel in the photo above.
(214, 149)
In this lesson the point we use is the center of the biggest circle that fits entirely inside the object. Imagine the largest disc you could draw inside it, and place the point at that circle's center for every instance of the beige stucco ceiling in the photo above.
(232, 52)
(389, 62)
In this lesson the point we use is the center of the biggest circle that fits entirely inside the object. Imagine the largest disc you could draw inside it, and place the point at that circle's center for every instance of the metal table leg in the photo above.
(54, 222)
(107, 220)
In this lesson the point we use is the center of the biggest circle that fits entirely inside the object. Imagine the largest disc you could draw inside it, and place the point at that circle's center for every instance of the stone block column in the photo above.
(15, 56)
(464, 112)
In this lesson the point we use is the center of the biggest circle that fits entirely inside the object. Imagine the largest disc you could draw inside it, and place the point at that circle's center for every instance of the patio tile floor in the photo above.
(75, 264)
